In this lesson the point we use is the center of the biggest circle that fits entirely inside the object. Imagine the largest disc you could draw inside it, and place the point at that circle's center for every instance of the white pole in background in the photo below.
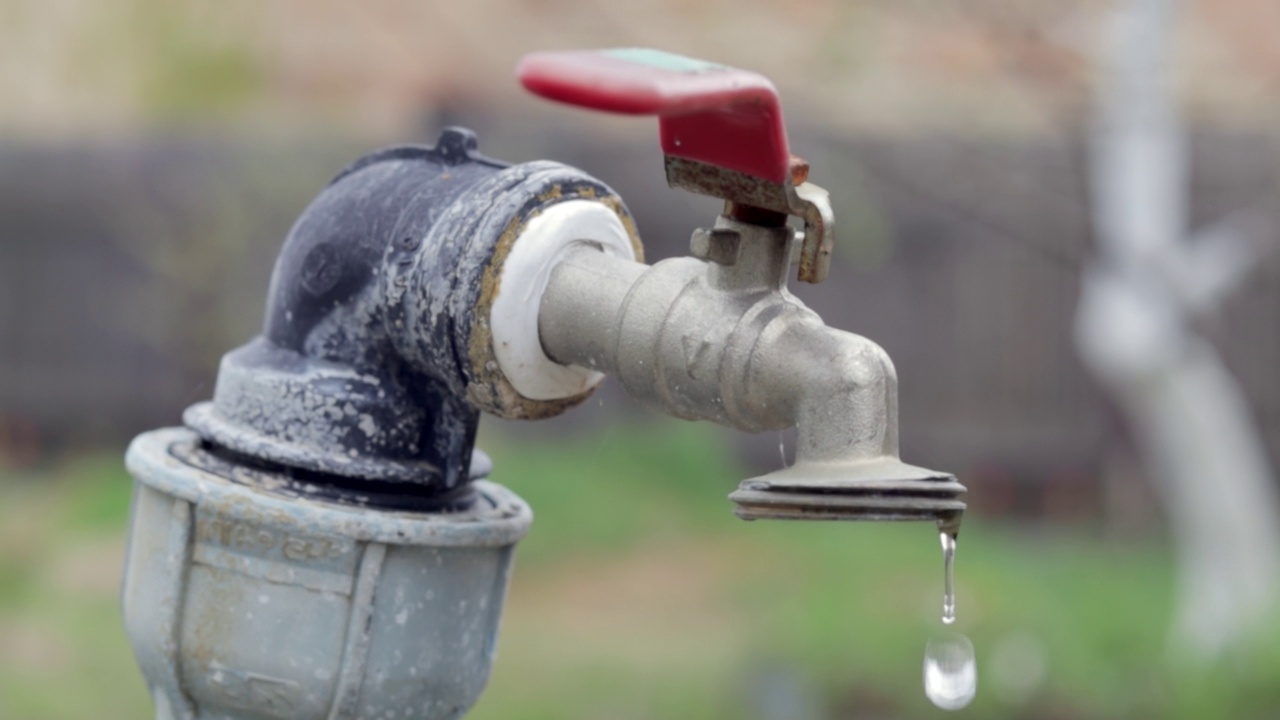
(1135, 332)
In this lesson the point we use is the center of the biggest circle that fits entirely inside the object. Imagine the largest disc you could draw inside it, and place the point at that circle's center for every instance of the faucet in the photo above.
(717, 336)
(320, 540)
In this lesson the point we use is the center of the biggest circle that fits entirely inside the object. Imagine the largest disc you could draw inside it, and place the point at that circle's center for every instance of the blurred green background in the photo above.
(153, 153)
(638, 595)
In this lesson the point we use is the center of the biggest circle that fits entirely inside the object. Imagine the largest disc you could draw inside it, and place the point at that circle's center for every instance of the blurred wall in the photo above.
(125, 272)
(154, 153)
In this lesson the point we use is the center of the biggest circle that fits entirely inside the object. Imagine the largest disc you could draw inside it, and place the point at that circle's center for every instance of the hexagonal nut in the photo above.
(718, 245)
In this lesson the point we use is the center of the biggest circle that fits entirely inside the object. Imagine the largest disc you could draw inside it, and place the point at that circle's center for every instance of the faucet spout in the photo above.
(846, 417)
(718, 337)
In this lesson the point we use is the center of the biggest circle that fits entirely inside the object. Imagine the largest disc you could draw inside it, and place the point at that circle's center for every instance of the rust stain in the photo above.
(799, 168)
(489, 389)
(735, 187)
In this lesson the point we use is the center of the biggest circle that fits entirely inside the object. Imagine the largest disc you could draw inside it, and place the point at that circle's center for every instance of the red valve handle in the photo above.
(721, 129)
(708, 113)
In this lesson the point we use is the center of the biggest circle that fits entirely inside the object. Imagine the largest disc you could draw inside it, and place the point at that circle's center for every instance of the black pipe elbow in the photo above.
(375, 359)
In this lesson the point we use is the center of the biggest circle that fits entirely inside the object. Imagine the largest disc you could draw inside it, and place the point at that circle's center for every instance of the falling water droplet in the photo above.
(950, 671)
(782, 448)
(948, 577)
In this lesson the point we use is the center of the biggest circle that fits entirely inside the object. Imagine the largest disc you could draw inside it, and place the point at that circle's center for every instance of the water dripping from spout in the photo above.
(950, 671)
(948, 577)
(950, 665)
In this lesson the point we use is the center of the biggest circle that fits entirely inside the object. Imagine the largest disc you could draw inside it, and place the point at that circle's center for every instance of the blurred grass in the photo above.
(638, 595)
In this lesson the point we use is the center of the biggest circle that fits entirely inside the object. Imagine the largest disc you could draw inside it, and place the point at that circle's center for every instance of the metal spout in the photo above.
(720, 338)
(884, 490)
(844, 404)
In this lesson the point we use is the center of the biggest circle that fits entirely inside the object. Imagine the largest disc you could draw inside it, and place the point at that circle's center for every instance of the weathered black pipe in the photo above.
(374, 362)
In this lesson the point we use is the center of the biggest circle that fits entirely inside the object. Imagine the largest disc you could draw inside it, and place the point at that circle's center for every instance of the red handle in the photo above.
(709, 113)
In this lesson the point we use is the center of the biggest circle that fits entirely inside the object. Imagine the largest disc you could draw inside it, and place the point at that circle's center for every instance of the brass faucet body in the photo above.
(718, 337)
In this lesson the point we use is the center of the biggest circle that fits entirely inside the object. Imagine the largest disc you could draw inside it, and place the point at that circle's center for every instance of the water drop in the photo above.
(948, 577)
(950, 671)
(782, 448)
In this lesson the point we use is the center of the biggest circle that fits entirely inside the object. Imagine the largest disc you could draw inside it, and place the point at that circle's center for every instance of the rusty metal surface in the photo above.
(719, 182)
(795, 197)
(814, 205)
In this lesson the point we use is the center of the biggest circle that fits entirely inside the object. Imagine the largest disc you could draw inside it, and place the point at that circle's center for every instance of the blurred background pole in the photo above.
(1149, 283)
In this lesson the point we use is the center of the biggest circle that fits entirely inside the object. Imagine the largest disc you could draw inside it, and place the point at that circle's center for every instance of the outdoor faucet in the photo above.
(717, 336)
(319, 540)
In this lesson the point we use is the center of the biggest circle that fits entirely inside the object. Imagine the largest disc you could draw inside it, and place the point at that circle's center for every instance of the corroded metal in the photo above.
(318, 541)
(376, 358)
(796, 196)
